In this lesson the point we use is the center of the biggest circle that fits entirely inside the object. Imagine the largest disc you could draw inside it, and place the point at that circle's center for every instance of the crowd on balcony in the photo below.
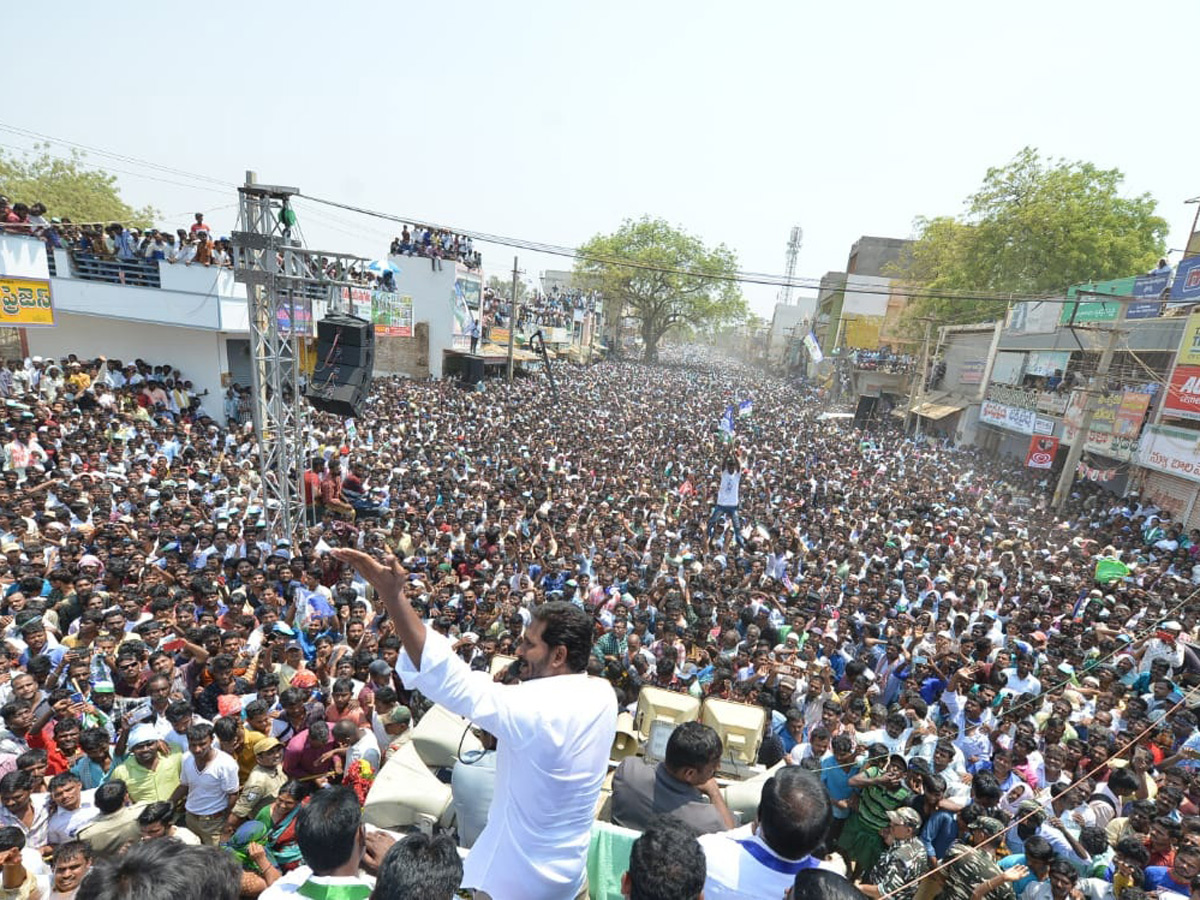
(436, 245)
(883, 360)
(553, 309)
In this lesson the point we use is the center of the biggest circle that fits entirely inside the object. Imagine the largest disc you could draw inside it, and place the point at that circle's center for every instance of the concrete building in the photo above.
(854, 307)
(196, 317)
(789, 324)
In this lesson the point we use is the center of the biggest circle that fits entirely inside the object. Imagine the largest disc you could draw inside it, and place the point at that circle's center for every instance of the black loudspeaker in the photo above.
(472, 372)
(339, 375)
(343, 400)
(346, 355)
(345, 360)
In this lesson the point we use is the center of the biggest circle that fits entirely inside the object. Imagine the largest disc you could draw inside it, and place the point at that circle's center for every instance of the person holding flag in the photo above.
(727, 495)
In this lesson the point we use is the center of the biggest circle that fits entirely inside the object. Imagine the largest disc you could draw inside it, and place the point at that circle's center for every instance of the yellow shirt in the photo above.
(148, 785)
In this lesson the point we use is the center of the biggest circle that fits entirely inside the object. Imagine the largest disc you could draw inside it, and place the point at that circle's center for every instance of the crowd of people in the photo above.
(555, 309)
(92, 244)
(963, 693)
(436, 245)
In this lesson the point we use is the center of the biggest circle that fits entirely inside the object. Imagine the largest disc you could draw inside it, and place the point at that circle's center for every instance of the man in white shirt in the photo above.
(554, 729)
(762, 859)
(73, 808)
(1021, 679)
(208, 778)
(727, 496)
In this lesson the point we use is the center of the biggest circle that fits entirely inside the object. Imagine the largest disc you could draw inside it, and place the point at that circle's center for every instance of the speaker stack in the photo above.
(341, 379)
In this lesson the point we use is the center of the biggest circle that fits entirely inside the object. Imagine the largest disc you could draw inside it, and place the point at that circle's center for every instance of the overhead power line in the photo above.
(847, 282)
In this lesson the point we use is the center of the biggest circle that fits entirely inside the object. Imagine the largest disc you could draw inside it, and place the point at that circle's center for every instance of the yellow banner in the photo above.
(1189, 346)
(25, 302)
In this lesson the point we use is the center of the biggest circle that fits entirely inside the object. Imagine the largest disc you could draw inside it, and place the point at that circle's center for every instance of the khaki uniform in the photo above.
(109, 833)
(261, 787)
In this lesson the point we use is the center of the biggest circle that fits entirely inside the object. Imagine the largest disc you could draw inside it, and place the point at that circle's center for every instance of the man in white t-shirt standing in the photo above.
(727, 495)
(209, 779)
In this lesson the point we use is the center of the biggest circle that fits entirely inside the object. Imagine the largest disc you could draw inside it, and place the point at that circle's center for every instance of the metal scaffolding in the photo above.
(285, 286)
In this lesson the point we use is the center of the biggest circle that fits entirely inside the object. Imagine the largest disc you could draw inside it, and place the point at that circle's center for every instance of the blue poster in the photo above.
(1186, 288)
(1149, 289)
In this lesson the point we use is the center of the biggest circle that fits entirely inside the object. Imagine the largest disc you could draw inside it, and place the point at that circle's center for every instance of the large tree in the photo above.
(1034, 226)
(68, 187)
(661, 276)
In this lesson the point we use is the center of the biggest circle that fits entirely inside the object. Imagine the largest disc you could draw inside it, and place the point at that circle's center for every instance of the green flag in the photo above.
(1109, 570)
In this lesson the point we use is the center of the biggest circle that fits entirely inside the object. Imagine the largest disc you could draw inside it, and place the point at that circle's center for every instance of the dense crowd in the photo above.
(88, 243)
(553, 309)
(436, 244)
(930, 643)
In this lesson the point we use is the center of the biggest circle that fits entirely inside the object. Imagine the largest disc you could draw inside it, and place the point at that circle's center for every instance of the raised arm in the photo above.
(388, 580)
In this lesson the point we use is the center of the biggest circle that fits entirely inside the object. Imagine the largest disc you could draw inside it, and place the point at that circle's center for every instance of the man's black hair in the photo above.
(328, 827)
(420, 867)
(164, 870)
(110, 796)
(566, 625)
(822, 884)
(666, 863)
(692, 745)
(794, 813)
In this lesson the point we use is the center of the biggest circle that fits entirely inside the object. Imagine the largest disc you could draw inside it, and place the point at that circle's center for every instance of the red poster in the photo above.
(1041, 452)
(1183, 394)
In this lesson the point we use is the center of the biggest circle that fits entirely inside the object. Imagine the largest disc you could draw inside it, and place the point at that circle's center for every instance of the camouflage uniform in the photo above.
(900, 866)
(968, 868)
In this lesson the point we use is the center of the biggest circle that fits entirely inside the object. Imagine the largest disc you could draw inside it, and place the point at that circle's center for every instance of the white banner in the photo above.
(1175, 451)
(1010, 418)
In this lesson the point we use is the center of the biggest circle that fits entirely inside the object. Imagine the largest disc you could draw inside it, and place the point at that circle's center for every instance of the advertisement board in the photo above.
(1175, 451)
(972, 371)
(1189, 344)
(1186, 286)
(1183, 394)
(1010, 418)
(26, 303)
(1151, 291)
(1103, 442)
(392, 314)
(1041, 452)
(1047, 362)
(1098, 301)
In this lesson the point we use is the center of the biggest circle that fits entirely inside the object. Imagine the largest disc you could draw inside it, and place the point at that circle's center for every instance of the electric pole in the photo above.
(1099, 385)
(919, 381)
(512, 320)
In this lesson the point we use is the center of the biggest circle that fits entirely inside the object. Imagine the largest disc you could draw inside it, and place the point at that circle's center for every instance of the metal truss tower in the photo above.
(793, 253)
(282, 280)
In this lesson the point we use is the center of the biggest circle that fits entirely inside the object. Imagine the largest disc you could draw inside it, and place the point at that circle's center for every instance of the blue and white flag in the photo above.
(726, 424)
(746, 408)
(814, 349)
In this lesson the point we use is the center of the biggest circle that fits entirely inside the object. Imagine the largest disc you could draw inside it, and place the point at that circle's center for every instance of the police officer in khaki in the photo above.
(262, 784)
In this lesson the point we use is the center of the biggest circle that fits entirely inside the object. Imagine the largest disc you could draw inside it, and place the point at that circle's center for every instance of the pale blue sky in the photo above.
(553, 121)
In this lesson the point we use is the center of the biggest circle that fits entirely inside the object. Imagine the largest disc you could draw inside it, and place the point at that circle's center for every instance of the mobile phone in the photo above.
(76, 697)
(173, 646)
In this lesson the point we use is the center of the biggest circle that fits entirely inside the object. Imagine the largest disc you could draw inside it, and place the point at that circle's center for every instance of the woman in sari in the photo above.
(266, 845)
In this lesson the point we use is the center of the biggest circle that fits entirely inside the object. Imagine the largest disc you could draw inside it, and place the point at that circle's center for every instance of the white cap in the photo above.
(141, 734)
